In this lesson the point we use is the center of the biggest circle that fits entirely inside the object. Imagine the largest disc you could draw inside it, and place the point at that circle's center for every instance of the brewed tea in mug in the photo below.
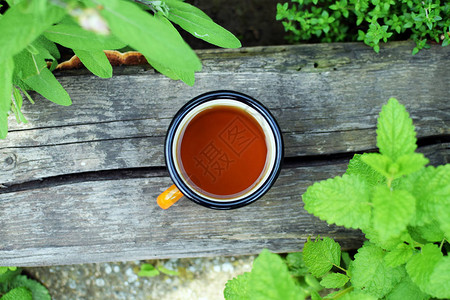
(223, 150)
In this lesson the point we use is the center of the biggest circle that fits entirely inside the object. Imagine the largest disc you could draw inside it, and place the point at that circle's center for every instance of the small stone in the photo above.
(116, 269)
(100, 282)
(216, 268)
(108, 269)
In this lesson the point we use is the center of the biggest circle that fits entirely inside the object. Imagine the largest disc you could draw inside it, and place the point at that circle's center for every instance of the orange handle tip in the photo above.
(169, 197)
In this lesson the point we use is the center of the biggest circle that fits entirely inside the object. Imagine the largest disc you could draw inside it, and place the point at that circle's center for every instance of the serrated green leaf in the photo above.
(334, 280)
(19, 293)
(398, 256)
(320, 256)
(148, 270)
(358, 167)
(340, 200)
(315, 295)
(378, 162)
(296, 265)
(426, 233)
(395, 131)
(147, 35)
(392, 211)
(387, 244)
(410, 163)
(369, 272)
(270, 279)
(237, 288)
(37, 290)
(96, 62)
(431, 188)
(420, 267)
(439, 284)
(192, 20)
(20, 26)
(406, 289)
(74, 37)
(357, 295)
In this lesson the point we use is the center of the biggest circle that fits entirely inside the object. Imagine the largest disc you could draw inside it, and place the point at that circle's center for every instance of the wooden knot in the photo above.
(8, 161)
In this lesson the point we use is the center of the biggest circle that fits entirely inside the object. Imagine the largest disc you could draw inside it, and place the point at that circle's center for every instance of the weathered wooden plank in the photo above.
(114, 220)
(81, 181)
(326, 98)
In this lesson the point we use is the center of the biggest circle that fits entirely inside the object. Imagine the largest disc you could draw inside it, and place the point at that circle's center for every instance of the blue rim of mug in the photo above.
(170, 137)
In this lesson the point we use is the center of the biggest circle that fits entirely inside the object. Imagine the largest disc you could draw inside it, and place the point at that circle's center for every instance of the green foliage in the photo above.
(31, 30)
(370, 21)
(18, 287)
(148, 270)
(402, 206)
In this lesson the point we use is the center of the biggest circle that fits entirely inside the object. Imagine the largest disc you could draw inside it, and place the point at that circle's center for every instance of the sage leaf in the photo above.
(193, 20)
(20, 26)
(96, 62)
(147, 35)
(75, 37)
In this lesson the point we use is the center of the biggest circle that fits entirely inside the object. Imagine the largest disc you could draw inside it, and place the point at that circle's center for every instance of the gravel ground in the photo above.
(199, 278)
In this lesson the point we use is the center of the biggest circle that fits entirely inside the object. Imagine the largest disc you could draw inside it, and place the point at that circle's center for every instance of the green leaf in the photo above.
(369, 272)
(194, 21)
(75, 37)
(38, 290)
(398, 256)
(356, 295)
(296, 265)
(431, 188)
(47, 85)
(406, 289)
(20, 26)
(7, 69)
(334, 280)
(410, 163)
(166, 271)
(237, 288)
(148, 270)
(96, 62)
(358, 167)
(187, 76)
(8, 276)
(340, 200)
(439, 284)
(270, 279)
(320, 256)
(147, 35)
(429, 232)
(378, 162)
(395, 131)
(19, 293)
(421, 266)
(392, 211)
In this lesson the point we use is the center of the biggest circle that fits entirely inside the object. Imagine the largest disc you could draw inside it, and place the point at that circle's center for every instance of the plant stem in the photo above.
(342, 293)
(340, 268)
(442, 244)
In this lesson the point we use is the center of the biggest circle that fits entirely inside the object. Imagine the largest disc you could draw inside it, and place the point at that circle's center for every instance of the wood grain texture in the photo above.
(80, 182)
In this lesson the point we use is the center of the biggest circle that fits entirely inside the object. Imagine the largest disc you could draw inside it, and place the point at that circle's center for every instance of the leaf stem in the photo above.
(442, 244)
(340, 268)
(342, 293)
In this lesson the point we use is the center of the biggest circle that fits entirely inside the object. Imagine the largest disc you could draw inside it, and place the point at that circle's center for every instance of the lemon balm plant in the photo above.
(30, 30)
(371, 21)
(400, 204)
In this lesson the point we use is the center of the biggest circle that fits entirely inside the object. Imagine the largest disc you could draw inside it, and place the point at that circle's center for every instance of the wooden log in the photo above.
(80, 182)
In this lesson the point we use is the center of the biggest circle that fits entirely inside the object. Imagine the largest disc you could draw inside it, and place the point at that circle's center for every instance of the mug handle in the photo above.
(169, 197)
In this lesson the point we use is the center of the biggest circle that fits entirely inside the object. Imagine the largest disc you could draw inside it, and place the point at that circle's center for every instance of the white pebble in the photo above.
(227, 267)
(108, 269)
(100, 282)
(216, 268)
(116, 269)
